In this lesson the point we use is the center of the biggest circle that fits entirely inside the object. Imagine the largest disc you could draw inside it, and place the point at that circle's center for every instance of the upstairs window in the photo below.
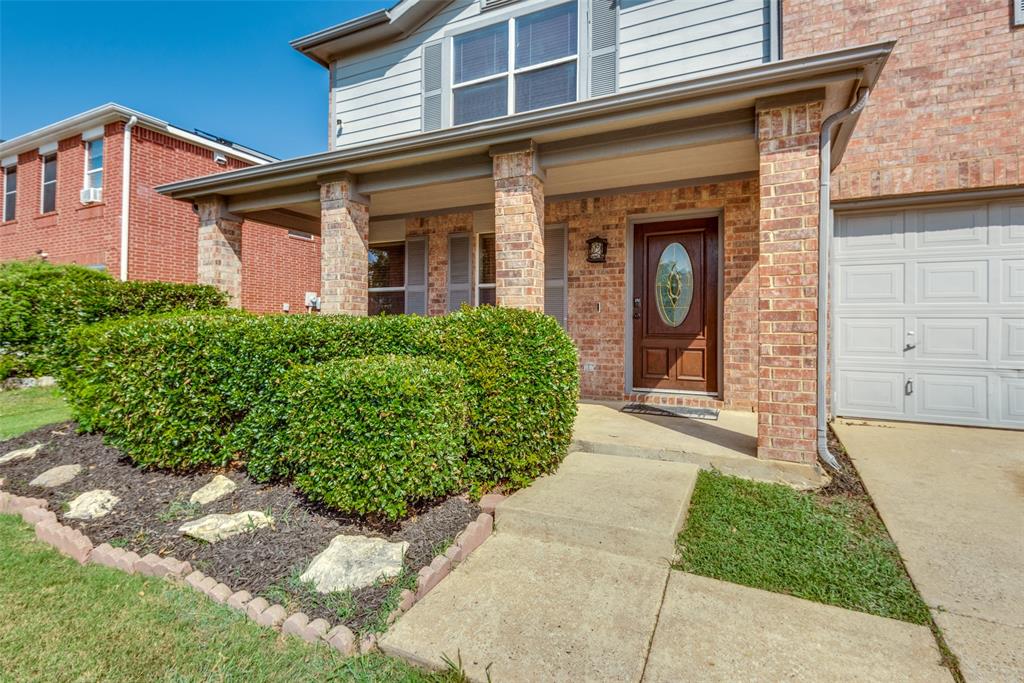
(10, 192)
(49, 183)
(94, 163)
(541, 72)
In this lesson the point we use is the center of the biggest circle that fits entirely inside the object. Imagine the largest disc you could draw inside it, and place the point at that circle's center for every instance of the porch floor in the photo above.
(728, 444)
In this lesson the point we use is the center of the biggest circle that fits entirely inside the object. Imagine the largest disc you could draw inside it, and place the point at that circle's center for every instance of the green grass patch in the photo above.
(22, 410)
(833, 550)
(67, 622)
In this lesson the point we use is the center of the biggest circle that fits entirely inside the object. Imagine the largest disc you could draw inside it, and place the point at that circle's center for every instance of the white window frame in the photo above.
(93, 171)
(478, 266)
(43, 182)
(511, 71)
(7, 193)
(389, 290)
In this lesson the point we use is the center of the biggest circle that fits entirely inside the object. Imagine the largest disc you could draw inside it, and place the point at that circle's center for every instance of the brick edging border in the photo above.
(76, 545)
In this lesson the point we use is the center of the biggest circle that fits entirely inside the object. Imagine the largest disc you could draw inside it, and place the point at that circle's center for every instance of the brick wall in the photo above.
(518, 231)
(276, 268)
(788, 281)
(946, 114)
(345, 231)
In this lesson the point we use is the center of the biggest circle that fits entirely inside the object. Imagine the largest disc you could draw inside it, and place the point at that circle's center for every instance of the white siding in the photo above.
(377, 94)
(661, 41)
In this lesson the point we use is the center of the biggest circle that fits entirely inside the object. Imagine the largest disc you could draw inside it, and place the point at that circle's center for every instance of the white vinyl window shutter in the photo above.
(416, 275)
(556, 299)
(604, 21)
(460, 285)
(433, 97)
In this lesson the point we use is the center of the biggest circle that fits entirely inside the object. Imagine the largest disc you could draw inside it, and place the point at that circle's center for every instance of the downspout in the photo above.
(824, 246)
(126, 174)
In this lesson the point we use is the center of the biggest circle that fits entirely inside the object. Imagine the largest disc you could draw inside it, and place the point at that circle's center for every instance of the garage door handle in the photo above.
(908, 347)
(908, 388)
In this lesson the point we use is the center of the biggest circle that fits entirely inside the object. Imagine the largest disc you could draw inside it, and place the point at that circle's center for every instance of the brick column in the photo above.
(345, 232)
(519, 227)
(220, 249)
(788, 281)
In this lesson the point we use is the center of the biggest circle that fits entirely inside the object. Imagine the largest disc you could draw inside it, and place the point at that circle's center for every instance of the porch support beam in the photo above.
(220, 248)
(519, 228)
(448, 171)
(345, 232)
(788, 281)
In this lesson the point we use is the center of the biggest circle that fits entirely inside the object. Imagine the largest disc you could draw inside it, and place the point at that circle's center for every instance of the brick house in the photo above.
(65, 200)
(650, 173)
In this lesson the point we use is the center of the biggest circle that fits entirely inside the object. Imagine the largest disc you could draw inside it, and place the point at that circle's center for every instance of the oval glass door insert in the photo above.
(673, 284)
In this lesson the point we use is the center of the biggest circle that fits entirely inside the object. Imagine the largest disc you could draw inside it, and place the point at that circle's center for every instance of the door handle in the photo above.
(636, 308)
(909, 347)
(908, 388)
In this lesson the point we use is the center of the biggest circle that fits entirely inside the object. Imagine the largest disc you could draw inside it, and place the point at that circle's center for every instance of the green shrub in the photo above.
(40, 302)
(174, 391)
(367, 436)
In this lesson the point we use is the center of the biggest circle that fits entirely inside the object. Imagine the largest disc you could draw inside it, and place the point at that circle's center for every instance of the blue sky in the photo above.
(223, 67)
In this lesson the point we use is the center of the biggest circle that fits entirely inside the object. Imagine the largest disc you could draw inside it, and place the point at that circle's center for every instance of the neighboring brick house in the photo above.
(63, 202)
(648, 173)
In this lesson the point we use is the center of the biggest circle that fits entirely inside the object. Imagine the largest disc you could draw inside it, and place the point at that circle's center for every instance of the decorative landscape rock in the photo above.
(56, 476)
(217, 488)
(354, 562)
(92, 505)
(216, 527)
(21, 454)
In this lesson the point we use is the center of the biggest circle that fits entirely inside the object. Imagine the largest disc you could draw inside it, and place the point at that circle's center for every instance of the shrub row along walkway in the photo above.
(576, 585)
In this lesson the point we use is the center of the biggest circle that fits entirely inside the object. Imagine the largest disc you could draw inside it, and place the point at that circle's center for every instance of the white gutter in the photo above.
(126, 174)
(824, 246)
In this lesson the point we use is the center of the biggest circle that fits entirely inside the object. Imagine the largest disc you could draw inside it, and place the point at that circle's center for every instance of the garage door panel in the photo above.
(1011, 400)
(960, 227)
(1012, 289)
(867, 338)
(952, 339)
(871, 233)
(872, 393)
(1011, 341)
(928, 317)
(945, 282)
(939, 397)
(872, 284)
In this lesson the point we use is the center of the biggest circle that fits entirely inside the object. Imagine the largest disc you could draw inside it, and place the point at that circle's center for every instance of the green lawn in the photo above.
(22, 410)
(61, 621)
(828, 549)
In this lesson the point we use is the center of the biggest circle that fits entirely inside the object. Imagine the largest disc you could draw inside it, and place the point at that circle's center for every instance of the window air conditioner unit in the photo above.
(91, 195)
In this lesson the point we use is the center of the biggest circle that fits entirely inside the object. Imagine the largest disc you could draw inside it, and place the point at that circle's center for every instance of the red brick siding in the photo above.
(788, 282)
(946, 114)
(437, 228)
(162, 232)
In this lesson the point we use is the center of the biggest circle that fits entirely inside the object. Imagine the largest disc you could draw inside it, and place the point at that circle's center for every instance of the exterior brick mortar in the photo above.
(518, 231)
(344, 249)
(220, 250)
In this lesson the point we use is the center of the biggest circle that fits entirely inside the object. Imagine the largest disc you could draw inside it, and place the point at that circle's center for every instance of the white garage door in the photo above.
(929, 315)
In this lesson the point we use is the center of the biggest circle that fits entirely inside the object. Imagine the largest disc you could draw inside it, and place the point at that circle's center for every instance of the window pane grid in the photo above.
(386, 279)
(484, 87)
(94, 163)
(49, 183)
(10, 193)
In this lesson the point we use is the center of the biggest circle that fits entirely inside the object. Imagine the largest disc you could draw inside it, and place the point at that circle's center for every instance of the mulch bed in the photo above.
(264, 562)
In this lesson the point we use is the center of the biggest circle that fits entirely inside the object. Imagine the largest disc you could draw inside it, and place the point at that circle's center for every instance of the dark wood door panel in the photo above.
(675, 314)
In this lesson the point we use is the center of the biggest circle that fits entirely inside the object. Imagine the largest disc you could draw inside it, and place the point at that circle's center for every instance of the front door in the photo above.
(675, 305)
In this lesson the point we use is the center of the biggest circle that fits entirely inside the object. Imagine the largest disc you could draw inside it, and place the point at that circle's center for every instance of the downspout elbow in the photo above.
(126, 173)
(824, 242)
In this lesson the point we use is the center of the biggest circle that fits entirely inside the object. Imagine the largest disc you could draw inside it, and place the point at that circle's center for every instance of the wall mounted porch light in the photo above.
(597, 249)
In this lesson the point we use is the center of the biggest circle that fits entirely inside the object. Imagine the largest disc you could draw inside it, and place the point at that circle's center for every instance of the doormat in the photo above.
(671, 411)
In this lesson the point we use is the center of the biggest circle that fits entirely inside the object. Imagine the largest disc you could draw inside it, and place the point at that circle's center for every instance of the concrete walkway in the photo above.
(953, 500)
(575, 585)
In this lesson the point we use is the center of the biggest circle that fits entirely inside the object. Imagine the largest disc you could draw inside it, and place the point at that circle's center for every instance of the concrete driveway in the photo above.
(953, 500)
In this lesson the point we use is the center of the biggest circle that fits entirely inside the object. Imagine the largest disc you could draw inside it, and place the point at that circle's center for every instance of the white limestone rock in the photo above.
(216, 489)
(217, 527)
(56, 476)
(21, 454)
(92, 505)
(354, 562)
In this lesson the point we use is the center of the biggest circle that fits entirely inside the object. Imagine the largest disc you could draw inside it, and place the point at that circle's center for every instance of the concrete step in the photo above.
(625, 506)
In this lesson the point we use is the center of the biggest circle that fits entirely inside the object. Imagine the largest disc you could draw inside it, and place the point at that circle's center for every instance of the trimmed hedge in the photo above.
(40, 302)
(367, 436)
(174, 391)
